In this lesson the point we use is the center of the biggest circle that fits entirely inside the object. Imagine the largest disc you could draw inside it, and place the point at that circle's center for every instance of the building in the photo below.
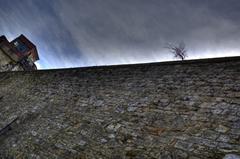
(17, 55)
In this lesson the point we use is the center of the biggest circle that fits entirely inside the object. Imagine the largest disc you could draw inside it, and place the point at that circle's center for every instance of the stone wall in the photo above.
(4, 58)
(188, 109)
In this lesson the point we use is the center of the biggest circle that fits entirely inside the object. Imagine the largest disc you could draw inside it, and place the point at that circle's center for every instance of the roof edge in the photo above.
(184, 62)
(190, 61)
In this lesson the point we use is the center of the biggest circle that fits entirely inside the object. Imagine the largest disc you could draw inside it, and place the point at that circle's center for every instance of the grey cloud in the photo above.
(101, 32)
(39, 22)
(137, 27)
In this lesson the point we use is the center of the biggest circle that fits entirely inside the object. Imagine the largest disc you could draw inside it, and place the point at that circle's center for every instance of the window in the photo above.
(21, 47)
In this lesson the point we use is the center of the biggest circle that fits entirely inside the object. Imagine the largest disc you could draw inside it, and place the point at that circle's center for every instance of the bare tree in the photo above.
(179, 50)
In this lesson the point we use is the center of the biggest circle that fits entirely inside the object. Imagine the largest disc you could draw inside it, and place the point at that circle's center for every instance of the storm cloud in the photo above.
(77, 33)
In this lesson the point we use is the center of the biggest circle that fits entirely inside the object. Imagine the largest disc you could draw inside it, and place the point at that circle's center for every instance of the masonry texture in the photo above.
(188, 109)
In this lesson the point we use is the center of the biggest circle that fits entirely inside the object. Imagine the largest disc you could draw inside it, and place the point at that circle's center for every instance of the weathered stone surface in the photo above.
(165, 110)
(222, 129)
(231, 156)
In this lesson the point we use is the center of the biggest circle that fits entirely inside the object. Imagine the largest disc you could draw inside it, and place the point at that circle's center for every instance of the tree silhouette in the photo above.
(179, 50)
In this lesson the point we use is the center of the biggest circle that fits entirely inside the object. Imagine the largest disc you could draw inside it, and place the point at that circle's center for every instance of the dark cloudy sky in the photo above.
(75, 33)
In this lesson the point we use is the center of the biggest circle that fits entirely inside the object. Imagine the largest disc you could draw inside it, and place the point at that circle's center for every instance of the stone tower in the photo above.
(17, 55)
